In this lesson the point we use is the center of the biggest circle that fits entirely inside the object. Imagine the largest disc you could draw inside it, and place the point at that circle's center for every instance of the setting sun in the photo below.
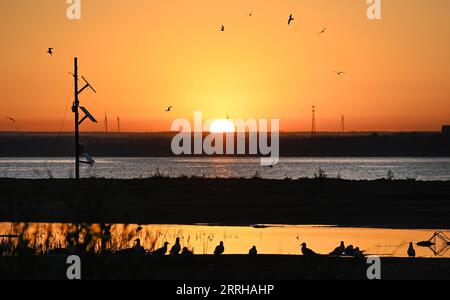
(222, 126)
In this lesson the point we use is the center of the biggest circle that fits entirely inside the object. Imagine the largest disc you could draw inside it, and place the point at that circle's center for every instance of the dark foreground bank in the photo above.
(226, 268)
(383, 203)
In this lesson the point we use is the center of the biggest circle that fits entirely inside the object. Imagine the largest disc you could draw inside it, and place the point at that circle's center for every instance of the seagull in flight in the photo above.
(11, 119)
(50, 51)
(291, 18)
(249, 15)
(222, 28)
(339, 73)
(169, 109)
(323, 30)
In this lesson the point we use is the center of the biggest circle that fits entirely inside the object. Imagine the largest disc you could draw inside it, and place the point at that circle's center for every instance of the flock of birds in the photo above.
(341, 251)
(291, 19)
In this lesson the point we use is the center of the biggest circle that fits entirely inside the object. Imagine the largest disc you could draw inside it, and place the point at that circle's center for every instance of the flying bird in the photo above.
(339, 73)
(249, 15)
(222, 28)
(169, 109)
(291, 18)
(323, 30)
(50, 51)
(11, 119)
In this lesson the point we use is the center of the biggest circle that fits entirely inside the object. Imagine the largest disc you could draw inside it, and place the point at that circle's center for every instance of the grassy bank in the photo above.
(394, 204)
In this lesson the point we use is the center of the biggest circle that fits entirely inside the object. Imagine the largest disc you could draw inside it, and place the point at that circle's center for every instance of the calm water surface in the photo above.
(276, 239)
(128, 168)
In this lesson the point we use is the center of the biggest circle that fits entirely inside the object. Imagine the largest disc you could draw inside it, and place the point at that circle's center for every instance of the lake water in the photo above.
(274, 239)
(127, 168)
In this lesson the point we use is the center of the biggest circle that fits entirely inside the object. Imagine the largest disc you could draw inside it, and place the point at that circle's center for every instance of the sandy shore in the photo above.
(396, 204)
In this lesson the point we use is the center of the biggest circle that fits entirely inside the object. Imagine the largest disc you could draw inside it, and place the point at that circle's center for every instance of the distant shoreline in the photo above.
(405, 144)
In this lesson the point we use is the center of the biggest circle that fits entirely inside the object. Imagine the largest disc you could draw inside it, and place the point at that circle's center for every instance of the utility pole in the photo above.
(87, 115)
(343, 123)
(76, 105)
(118, 124)
(313, 127)
(106, 123)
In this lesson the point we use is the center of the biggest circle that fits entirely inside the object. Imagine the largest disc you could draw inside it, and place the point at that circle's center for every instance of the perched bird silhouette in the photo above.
(138, 248)
(50, 51)
(222, 28)
(161, 251)
(411, 251)
(339, 73)
(186, 252)
(358, 253)
(11, 119)
(323, 30)
(349, 251)
(176, 248)
(306, 251)
(339, 251)
(291, 19)
(219, 249)
(253, 251)
(169, 109)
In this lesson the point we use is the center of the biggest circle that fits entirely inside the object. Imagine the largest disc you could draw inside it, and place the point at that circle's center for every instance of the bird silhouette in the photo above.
(323, 30)
(138, 249)
(339, 251)
(219, 249)
(307, 252)
(358, 253)
(176, 248)
(186, 252)
(11, 119)
(169, 109)
(411, 251)
(222, 28)
(291, 19)
(339, 73)
(50, 51)
(161, 251)
(349, 251)
(253, 251)
(249, 15)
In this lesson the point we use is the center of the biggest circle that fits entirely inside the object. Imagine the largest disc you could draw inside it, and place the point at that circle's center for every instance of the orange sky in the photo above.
(143, 55)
